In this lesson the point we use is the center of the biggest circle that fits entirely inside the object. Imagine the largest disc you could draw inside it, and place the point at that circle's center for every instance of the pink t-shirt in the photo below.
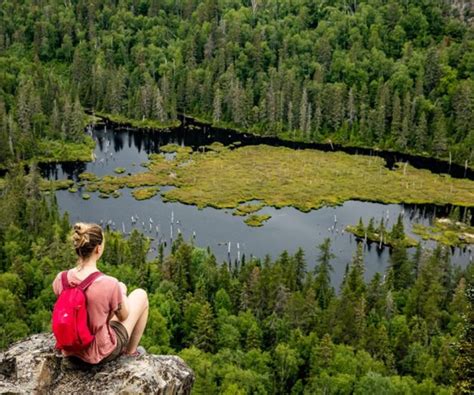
(103, 297)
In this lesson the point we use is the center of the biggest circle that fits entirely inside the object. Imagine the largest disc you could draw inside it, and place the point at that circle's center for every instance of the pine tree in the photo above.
(204, 334)
(55, 120)
(303, 110)
(77, 122)
(158, 107)
(351, 110)
(300, 268)
(217, 107)
(308, 122)
(24, 110)
(290, 116)
(322, 283)
(396, 127)
(381, 110)
(4, 138)
(463, 104)
(440, 143)
(402, 268)
(433, 72)
(67, 117)
(351, 305)
(421, 133)
(318, 117)
(398, 230)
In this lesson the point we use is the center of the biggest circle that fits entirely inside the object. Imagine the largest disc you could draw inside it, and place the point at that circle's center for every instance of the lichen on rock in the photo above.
(33, 366)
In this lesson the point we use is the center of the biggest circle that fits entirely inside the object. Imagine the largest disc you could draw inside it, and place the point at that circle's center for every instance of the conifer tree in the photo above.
(421, 133)
(396, 127)
(55, 120)
(158, 107)
(77, 122)
(303, 110)
(322, 283)
(204, 331)
(440, 143)
(290, 116)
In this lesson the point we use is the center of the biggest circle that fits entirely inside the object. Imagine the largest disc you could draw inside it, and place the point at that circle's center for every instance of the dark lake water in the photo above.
(287, 229)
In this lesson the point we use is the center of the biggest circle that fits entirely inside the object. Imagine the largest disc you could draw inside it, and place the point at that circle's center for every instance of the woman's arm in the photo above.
(122, 310)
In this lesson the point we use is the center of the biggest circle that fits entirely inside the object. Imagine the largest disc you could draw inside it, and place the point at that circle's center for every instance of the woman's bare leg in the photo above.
(137, 317)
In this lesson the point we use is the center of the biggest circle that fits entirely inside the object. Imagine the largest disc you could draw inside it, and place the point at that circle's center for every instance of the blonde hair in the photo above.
(85, 238)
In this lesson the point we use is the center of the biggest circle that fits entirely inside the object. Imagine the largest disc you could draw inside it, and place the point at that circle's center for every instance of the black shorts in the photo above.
(122, 341)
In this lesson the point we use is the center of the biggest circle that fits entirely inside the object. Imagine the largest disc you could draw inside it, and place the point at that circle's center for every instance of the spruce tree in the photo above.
(204, 334)
(322, 282)
(440, 143)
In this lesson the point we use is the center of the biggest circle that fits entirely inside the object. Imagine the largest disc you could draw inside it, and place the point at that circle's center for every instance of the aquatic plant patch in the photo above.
(256, 220)
(379, 234)
(145, 193)
(446, 231)
(245, 209)
(278, 176)
(308, 179)
(62, 151)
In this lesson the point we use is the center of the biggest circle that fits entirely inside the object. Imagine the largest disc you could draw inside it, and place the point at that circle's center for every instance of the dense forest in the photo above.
(396, 75)
(263, 326)
(384, 74)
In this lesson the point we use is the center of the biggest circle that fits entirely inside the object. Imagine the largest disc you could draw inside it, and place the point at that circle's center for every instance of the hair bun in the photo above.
(80, 236)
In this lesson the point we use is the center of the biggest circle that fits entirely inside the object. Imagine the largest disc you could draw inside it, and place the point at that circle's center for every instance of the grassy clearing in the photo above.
(256, 220)
(139, 124)
(446, 231)
(279, 177)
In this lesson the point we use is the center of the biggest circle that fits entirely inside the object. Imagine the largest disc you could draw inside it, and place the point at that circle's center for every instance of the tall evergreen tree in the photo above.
(322, 283)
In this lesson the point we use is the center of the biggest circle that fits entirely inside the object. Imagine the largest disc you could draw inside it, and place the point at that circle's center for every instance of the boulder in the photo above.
(33, 366)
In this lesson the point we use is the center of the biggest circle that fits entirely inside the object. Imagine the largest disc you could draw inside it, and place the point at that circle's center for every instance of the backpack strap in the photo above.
(88, 280)
(64, 280)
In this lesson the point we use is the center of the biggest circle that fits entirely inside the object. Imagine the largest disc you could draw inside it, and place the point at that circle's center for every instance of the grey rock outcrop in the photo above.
(33, 366)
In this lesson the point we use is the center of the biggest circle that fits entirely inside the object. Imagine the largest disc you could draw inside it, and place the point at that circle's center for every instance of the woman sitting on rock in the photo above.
(115, 321)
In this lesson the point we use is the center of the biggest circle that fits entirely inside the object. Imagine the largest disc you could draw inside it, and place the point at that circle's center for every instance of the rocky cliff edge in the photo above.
(33, 366)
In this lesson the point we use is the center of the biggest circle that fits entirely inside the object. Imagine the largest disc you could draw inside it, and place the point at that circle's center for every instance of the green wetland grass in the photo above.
(256, 220)
(446, 231)
(279, 177)
(61, 151)
(144, 193)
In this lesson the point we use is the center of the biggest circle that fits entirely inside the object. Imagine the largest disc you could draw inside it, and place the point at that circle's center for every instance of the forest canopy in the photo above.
(375, 73)
(386, 74)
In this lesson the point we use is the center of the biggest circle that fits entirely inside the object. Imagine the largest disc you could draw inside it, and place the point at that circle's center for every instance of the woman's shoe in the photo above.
(138, 353)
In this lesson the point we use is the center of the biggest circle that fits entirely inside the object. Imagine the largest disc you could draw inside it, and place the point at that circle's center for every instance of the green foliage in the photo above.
(380, 74)
(264, 327)
(388, 75)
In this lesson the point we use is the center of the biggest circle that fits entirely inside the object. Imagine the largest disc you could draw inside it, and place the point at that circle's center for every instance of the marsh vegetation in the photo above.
(277, 176)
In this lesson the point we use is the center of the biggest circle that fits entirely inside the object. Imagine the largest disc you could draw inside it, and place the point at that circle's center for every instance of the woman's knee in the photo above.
(140, 294)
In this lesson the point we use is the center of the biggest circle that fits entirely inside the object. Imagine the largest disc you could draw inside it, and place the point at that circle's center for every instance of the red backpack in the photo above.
(70, 321)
